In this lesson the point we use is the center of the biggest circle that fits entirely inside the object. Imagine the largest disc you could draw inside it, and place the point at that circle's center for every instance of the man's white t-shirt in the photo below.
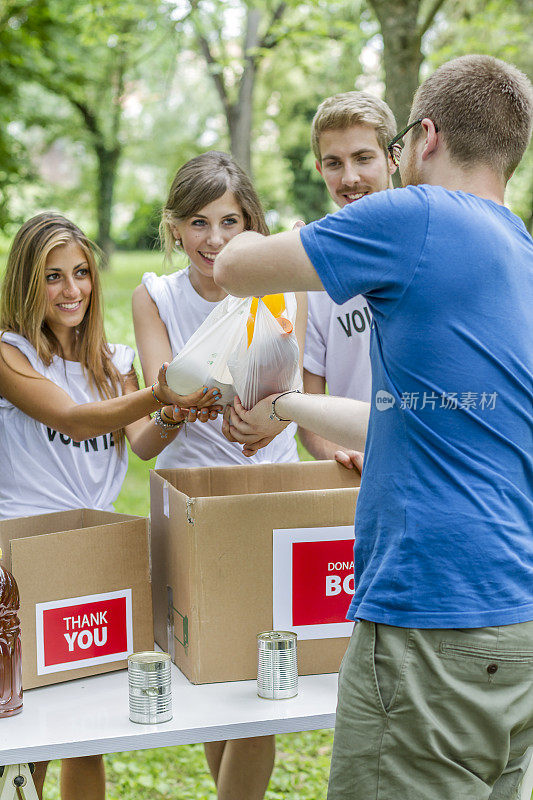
(183, 310)
(337, 345)
(42, 470)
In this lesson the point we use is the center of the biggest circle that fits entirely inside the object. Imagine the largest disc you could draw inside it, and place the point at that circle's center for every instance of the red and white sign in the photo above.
(313, 581)
(81, 631)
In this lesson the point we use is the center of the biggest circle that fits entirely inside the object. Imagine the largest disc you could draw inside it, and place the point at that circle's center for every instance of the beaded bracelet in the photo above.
(169, 420)
(156, 398)
(166, 426)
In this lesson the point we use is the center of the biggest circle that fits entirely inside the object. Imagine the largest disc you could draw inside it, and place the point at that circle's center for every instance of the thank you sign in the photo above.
(82, 631)
(313, 580)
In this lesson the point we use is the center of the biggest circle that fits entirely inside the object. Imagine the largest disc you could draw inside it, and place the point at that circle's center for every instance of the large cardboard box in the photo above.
(84, 584)
(237, 549)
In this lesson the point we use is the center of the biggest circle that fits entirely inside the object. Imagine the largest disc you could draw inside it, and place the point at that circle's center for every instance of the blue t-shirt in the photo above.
(444, 520)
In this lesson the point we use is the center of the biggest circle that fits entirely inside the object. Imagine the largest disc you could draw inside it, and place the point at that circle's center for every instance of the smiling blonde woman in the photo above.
(68, 399)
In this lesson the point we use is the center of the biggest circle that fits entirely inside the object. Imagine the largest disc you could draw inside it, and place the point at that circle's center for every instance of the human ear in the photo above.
(176, 234)
(318, 166)
(431, 142)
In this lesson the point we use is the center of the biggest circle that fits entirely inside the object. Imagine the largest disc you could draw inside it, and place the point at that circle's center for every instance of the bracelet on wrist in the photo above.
(166, 426)
(156, 398)
(166, 418)
(273, 413)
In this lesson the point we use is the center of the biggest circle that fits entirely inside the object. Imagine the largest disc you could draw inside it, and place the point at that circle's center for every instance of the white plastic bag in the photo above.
(203, 361)
(217, 354)
(269, 364)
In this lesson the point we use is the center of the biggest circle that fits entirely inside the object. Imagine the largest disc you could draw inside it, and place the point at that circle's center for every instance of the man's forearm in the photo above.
(251, 264)
(338, 419)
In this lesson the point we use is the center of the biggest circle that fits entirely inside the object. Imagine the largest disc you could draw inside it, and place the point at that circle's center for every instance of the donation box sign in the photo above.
(82, 631)
(313, 581)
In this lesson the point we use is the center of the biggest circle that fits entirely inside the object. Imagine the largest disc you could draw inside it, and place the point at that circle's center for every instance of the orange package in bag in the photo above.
(269, 362)
(276, 305)
(246, 346)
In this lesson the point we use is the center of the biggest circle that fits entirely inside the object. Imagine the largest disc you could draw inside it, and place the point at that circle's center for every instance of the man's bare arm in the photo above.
(338, 419)
(252, 264)
(319, 448)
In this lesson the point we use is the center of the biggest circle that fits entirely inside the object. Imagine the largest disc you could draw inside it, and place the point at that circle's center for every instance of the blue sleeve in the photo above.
(370, 247)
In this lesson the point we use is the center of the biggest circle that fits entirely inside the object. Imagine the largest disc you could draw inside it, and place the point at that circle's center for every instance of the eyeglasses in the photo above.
(395, 146)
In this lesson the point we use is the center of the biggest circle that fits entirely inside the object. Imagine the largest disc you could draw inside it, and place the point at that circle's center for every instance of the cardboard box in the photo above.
(84, 583)
(217, 535)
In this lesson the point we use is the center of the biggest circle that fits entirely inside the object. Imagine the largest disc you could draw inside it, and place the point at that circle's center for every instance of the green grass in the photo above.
(118, 284)
(180, 773)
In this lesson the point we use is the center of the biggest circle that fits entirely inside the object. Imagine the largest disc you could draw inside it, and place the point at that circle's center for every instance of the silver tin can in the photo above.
(277, 667)
(149, 687)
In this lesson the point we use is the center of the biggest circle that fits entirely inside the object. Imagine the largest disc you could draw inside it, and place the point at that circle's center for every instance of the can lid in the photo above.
(277, 640)
(148, 657)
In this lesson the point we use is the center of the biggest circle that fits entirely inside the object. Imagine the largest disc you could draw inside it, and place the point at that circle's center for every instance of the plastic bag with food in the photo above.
(270, 363)
(245, 347)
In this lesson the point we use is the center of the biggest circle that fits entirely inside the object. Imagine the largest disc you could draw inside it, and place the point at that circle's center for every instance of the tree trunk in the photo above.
(239, 111)
(107, 171)
(240, 119)
(402, 57)
(240, 114)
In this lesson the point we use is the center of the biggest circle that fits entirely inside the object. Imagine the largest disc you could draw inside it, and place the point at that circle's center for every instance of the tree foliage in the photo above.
(233, 53)
(324, 53)
(503, 29)
(119, 94)
(88, 63)
(24, 24)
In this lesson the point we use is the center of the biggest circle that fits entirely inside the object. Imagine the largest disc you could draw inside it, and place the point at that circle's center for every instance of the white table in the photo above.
(90, 716)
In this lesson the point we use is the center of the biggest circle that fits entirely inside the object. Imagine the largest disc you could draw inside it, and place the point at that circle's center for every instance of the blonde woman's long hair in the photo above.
(24, 302)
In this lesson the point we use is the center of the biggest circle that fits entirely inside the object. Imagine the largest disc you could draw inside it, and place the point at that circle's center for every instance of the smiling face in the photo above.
(353, 164)
(205, 233)
(68, 288)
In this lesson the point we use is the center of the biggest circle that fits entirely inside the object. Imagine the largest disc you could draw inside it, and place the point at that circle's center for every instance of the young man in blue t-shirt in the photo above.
(436, 688)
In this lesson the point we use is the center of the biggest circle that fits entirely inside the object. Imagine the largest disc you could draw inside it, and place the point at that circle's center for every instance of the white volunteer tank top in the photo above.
(183, 310)
(43, 470)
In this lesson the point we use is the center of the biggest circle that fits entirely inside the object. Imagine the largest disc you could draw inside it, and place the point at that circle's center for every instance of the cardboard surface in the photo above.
(212, 531)
(73, 555)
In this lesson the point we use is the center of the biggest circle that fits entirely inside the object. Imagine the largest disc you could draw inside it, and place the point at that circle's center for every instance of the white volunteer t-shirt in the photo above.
(337, 344)
(183, 310)
(44, 470)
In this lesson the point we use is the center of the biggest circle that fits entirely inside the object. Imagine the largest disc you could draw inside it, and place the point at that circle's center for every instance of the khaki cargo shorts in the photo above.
(434, 714)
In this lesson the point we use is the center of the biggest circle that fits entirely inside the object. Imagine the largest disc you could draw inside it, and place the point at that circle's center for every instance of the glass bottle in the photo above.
(10, 650)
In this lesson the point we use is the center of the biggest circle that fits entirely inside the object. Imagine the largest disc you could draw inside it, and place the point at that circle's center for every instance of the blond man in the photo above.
(349, 136)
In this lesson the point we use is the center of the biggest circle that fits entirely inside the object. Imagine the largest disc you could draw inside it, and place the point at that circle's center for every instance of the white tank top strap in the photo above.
(22, 344)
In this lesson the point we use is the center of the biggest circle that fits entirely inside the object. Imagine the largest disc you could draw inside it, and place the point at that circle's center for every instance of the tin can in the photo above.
(277, 667)
(149, 687)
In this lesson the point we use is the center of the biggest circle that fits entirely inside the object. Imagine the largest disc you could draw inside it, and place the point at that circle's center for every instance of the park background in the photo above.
(101, 102)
